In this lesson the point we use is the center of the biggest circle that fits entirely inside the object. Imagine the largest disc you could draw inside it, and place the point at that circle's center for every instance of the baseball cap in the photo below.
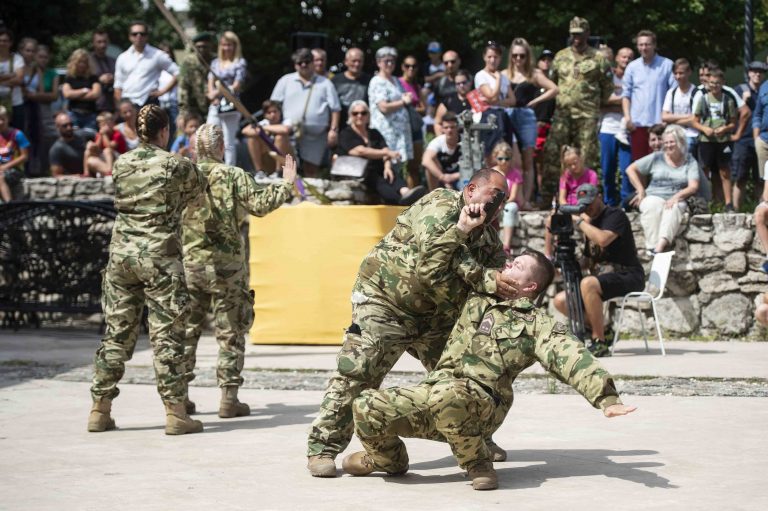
(578, 25)
(756, 65)
(586, 193)
(434, 47)
(546, 54)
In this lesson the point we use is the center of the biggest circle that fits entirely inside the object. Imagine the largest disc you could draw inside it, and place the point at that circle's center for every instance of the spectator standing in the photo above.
(169, 101)
(352, 84)
(456, 102)
(544, 113)
(389, 105)
(312, 105)
(445, 86)
(11, 79)
(192, 93)
(434, 69)
(320, 63)
(715, 118)
(416, 110)
(441, 157)
(583, 77)
(82, 89)
(527, 82)
(615, 154)
(646, 82)
(230, 67)
(672, 176)
(67, 154)
(14, 152)
(760, 133)
(679, 102)
(47, 93)
(127, 128)
(744, 162)
(495, 90)
(31, 85)
(137, 69)
(103, 66)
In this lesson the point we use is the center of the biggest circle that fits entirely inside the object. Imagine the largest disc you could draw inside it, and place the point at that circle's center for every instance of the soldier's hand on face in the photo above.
(289, 169)
(466, 221)
(617, 410)
(506, 287)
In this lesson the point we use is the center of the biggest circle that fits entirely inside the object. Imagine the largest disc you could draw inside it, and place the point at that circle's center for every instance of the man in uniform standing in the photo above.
(468, 395)
(585, 81)
(193, 78)
(408, 294)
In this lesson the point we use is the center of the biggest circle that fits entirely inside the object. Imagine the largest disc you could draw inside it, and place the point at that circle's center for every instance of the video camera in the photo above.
(561, 226)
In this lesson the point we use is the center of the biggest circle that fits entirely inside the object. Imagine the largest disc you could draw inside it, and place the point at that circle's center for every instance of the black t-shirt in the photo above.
(349, 139)
(444, 88)
(82, 105)
(622, 250)
(525, 92)
(455, 104)
(350, 90)
(69, 154)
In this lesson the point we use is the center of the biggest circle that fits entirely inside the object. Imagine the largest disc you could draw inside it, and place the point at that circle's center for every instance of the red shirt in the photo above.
(117, 138)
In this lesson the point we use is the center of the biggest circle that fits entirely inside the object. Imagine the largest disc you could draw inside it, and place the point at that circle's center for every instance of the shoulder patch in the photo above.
(486, 325)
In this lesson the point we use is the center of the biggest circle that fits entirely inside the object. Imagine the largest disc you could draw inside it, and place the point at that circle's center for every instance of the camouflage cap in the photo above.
(586, 193)
(578, 25)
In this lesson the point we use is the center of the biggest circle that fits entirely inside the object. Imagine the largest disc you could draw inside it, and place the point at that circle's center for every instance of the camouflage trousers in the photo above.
(457, 411)
(377, 338)
(128, 282)
(226, 288)
(581, 133)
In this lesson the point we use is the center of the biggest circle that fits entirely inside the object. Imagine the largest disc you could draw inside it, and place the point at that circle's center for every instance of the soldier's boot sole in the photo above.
(177, 422)
(100, 418)
(321, 465)
(483, 477)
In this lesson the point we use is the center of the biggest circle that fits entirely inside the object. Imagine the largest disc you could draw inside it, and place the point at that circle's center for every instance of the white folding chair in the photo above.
(657, 281)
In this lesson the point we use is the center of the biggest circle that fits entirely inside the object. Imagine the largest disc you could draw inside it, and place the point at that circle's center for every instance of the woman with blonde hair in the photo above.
(82, 89)
(230, 67)
(531, 87)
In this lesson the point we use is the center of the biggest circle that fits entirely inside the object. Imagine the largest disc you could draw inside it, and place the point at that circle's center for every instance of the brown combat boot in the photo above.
(190, 407)
(100, 419)
(361, 464)
(321, 465)
(177, 422)
(483, 476)
(230, 406)
(496, 452)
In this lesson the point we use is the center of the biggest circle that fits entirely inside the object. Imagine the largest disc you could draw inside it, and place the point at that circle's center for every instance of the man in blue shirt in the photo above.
(646, 82)
(760, 134)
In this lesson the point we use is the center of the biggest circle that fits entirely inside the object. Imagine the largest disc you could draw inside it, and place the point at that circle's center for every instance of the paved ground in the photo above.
(675, 452)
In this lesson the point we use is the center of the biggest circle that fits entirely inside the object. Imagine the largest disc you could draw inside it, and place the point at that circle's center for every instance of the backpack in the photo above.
(729, 107)
(693, 95)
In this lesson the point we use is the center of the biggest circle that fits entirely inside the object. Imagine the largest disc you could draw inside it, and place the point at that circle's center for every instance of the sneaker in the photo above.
(650, 252)
(600, 348)
(412, 195)
(764, 266)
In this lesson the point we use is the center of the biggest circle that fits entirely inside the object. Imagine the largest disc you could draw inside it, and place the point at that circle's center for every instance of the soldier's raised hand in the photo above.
(472, 215)
(289, 169)
(617, 410)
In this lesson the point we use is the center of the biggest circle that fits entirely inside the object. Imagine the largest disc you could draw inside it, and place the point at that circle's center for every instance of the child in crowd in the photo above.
(574, 175)
(715, 117)
(14, 151)
(278, 130)
(184, 145)
(100, 154)
(108, 137)
(509, 161)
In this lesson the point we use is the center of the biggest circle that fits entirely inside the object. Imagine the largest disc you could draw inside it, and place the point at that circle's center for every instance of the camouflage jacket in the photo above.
(425, 265)
(585, 82)
(493, 341)
(193, 84)
(152, 187)
(212, 231)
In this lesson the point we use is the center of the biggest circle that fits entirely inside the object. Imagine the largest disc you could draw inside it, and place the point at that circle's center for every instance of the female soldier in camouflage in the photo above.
(152, 188)
(214, 260)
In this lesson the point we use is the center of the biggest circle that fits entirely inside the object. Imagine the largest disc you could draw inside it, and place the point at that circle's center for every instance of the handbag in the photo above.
(415, 118)
(477, 101)
(351, 167)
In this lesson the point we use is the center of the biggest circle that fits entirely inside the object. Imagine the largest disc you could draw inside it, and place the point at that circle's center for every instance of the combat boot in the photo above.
(230, 406)
(483, 476)
(496, 452)
(321, 465)
(190, 406)
(361, 464)
(177, 422)
(100, 418)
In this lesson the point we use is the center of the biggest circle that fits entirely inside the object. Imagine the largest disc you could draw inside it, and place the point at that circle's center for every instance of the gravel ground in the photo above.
(12, 372)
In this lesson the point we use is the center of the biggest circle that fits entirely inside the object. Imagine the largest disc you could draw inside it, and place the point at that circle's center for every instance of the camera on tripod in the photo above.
(561, 226)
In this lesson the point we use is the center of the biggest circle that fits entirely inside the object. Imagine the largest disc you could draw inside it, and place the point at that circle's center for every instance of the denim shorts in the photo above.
(524, 125)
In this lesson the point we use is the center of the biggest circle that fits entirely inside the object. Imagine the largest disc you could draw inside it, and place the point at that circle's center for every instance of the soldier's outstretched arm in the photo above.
(618, 410)
(262, 199)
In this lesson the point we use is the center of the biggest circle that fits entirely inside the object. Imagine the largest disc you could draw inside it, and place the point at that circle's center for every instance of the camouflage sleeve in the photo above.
(564, 356)
(606, 81)
(193, 182)
(259, 199)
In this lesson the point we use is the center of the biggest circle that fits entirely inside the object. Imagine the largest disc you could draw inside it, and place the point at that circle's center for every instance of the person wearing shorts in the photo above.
(610, 247)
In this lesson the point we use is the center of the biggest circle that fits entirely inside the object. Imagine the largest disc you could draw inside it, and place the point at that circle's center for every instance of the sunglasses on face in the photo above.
(462, 84)
(137, 34)
(518, 55)
(358, 114)
(503, 158)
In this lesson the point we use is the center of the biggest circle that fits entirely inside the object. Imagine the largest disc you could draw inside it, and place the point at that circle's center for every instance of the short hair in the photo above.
(59, 113)
(656, 129)
(151, 121)
(681, 140)
(105, 116)
(267, 104)
(485, 174)
(464, 72)
(356, 103)
(301, 55)
(320, 52)
(449, 117)
(191, 116)
(100, 31)
(493, 45)
(386, 51)
(139, 22)
(716, 73)
(682, 61)
(544, 271)
(645, 33)
(709, 64)
(354, 49)
(208, 139)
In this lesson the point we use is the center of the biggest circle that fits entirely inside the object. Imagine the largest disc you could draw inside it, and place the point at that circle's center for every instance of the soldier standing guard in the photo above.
(214, 260)
(193, 78)
(585, 81)
(404, 300)
(152, 187)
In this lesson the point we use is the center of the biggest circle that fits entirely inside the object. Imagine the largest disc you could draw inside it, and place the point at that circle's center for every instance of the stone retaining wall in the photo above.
(713, 287)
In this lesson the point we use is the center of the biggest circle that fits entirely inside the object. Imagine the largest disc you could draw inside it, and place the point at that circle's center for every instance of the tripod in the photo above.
(565, 259)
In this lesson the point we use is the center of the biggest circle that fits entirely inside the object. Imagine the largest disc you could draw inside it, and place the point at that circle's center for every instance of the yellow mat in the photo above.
(303, 262)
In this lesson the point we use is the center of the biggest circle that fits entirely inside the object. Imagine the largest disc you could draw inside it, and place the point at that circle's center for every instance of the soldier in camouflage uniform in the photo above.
(407, 298)
(193, 79)
(468, 395)
(214, 260)
(152, 187)
(584, 78)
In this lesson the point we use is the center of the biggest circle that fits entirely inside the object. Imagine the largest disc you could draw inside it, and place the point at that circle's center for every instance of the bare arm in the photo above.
(441, 110)
(21, 158)
(387, 107)
(94, 93)
(601, 237)
(541, 81)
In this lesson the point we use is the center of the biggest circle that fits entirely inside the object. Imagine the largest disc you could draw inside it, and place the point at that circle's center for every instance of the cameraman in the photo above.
(610, 246)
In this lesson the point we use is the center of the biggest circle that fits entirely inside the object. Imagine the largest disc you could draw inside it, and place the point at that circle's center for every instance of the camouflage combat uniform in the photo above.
(585, 82)
(467, 396)
(193, 84)
(152, 187)
(214, 263)
(408, 294)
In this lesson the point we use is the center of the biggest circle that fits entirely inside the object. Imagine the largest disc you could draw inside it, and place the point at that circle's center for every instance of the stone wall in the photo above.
(713, 287)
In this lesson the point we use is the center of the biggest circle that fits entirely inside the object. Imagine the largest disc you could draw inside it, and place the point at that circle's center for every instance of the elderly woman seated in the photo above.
(358, 140)
(664, 180)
